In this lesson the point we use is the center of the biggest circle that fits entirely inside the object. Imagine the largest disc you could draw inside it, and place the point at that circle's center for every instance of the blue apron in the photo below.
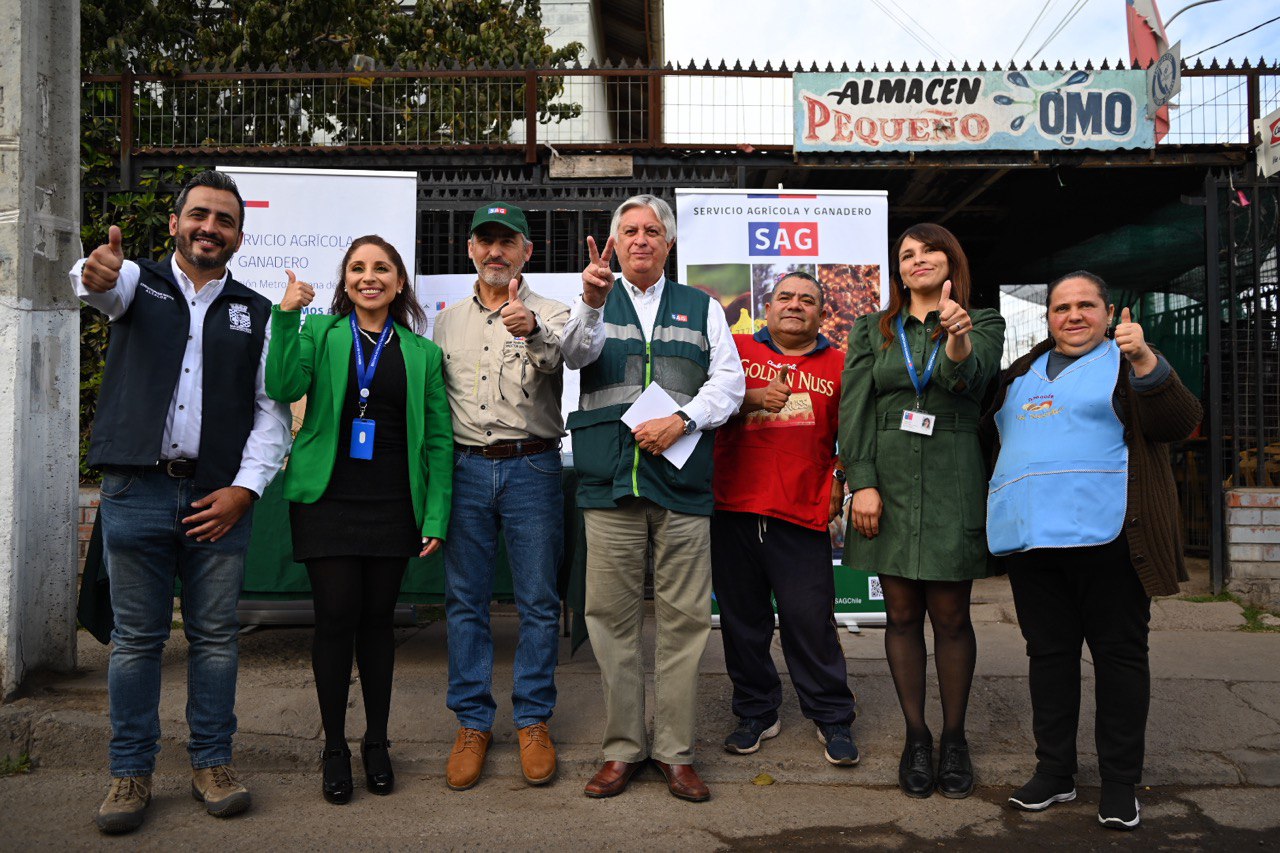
(1062, 475)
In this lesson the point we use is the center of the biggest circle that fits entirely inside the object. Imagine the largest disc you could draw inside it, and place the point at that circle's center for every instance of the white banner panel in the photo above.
(304, 220)
(736, 244)
(437, 292)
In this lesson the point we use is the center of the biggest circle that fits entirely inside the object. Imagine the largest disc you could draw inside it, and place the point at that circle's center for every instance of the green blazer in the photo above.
(313, 360)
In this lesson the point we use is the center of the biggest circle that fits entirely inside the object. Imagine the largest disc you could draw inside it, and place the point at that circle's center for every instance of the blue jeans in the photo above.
(523, 497)
(146, 546)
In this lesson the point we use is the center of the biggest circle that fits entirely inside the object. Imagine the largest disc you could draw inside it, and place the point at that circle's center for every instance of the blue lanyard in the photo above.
(364, 376)
(918, 381)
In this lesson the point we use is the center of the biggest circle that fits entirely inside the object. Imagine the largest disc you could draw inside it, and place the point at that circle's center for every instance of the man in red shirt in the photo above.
(776, 489)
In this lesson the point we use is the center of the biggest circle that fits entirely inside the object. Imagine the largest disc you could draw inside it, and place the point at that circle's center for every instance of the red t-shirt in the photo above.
(780, 465)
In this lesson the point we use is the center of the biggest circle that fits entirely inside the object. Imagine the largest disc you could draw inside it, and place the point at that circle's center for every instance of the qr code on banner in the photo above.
(874, 591)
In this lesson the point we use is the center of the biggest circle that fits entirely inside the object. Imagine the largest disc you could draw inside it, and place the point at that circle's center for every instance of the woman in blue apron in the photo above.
(369, 481)
(912, 393)
(1083, 508)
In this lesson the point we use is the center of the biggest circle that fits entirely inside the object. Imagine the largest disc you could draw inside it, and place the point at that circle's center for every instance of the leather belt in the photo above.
(510, 449)
(179, 469)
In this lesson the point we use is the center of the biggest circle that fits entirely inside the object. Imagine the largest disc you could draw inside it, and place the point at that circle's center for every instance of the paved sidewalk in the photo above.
(1213, 755)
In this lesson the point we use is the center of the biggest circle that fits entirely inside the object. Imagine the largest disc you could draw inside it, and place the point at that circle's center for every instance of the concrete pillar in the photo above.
(39, 334)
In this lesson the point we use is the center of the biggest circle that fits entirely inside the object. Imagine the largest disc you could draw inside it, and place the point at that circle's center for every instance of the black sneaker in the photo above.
(746, 738)
(1118, 807)
(1043, 791)
(955, 771)
(841, 749)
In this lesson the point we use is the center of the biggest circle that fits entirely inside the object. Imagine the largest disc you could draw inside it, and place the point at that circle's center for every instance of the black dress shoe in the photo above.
(378, 775)
(915, 770)
(955, 771)
(337, 775)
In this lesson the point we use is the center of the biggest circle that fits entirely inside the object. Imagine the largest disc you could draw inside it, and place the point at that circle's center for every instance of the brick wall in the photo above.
(1253, 545)
(86, 512)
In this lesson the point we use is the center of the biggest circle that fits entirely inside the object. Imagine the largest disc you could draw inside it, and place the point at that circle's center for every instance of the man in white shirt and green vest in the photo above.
(624, 335)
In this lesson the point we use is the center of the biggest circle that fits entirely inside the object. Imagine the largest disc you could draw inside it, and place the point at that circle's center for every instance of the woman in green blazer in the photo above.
(912, 390)
(369, 480)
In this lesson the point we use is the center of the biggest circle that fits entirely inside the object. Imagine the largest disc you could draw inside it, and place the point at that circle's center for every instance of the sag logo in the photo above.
(680, 318)
(783, 238)
(499, 210)
(239, 315)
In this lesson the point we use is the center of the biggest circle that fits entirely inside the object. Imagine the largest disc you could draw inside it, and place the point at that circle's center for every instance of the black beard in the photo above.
(200, 261)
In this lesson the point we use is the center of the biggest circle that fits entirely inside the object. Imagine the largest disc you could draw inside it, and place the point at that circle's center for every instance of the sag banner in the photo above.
(735, 245)
(978, 110)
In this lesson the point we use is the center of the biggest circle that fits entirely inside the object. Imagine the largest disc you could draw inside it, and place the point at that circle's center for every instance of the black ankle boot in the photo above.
(337, 775)
(377, 766)
(915, 770)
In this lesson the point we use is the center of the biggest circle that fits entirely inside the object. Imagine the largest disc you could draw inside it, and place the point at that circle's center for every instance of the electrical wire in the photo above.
(1062, 25)
(1031, 29)
(937, 41)
(1233, 38)
(906, 29)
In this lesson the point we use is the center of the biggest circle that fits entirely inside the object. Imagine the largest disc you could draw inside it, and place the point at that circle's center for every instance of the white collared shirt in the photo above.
(719, 398)
(269, 439)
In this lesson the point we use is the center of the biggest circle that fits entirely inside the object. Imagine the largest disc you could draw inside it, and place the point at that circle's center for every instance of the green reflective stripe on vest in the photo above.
(635, 459)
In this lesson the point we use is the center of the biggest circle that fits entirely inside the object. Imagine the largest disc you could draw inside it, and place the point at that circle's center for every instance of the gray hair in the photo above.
(660, 209)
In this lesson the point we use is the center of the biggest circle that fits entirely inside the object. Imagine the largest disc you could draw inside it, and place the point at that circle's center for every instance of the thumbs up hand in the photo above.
(1133, 345)
(297, 295)
(518, 319)
(954, 319)
(778, 391)
(102, 267)
(951, 315)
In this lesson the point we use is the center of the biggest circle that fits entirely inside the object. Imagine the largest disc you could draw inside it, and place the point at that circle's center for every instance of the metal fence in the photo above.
(1242, 232)
(504, 108)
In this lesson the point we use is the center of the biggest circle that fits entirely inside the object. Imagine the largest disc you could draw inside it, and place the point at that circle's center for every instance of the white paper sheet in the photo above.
(652, 403)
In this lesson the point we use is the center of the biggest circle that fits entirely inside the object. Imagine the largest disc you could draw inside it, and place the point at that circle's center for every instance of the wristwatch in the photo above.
(690, 425)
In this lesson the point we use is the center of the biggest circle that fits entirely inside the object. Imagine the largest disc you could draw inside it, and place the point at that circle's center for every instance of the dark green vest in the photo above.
(609, 464)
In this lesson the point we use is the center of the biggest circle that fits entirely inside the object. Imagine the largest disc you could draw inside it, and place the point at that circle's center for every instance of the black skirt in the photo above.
(336, 527)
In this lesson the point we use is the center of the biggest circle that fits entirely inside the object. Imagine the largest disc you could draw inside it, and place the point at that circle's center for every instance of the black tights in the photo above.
(354, 600)
(955, 650)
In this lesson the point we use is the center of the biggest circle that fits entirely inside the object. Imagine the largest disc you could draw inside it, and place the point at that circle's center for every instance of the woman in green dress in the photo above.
(913, 385)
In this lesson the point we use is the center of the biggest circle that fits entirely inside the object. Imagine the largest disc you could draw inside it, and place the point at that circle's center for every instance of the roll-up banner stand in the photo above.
(304, 219)
(736, 244)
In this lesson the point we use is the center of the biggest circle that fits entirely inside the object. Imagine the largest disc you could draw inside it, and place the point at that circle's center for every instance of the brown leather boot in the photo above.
(537, 754)
(467, 759)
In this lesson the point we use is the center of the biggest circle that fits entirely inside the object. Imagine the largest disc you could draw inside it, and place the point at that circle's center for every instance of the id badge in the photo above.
(920, 423)
(362, 438)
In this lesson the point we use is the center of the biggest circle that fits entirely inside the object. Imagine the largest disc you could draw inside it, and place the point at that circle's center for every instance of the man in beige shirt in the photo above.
(504, 375)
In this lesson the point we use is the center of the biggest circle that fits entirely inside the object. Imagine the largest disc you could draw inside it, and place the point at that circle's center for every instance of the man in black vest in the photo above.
(183, 451)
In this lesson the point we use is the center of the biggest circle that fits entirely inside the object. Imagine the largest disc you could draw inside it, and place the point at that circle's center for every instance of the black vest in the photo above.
(144, 363)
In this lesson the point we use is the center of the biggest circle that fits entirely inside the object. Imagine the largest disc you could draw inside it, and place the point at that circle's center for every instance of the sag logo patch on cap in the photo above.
(501, 210)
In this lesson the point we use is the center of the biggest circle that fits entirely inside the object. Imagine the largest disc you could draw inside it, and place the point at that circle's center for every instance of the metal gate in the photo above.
(1242, 305)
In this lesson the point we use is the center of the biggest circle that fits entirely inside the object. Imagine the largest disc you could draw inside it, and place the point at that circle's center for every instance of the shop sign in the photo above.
(982, 110)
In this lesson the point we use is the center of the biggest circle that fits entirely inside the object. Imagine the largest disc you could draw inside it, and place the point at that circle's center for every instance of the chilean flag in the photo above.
(1147, 42)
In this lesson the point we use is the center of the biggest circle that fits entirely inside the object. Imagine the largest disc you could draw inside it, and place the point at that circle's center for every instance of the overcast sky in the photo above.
(974, 30)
